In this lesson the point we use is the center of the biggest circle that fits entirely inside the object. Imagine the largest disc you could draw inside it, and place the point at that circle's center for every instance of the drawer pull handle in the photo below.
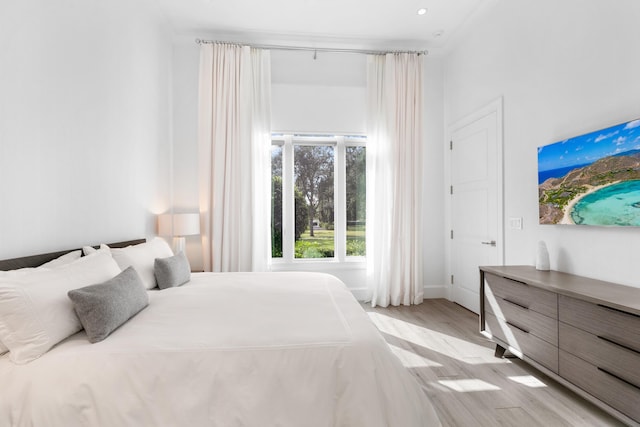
(517, 303)
(618, 378)
(619, 311)
(517, 327)
(626, 347)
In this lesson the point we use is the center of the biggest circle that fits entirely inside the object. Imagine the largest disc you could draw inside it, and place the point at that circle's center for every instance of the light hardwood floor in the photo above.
(439, 342)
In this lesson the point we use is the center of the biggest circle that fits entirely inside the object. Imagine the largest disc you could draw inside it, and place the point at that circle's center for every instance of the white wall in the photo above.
(325, 95)
(186, 56)
(83, 123)
(563, 68)
(434, 221)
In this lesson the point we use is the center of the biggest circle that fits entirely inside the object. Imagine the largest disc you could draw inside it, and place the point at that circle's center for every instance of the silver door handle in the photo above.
(491, 243)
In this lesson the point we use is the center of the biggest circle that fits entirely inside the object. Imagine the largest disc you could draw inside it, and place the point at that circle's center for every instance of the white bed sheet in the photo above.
(226, 349)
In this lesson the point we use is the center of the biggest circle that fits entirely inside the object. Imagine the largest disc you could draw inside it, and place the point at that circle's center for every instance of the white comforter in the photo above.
(236, 349)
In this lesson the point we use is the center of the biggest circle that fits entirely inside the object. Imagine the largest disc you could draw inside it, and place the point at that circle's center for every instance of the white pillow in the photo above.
(88, 250)
(62, 260)
(35, 312)
(142, 258)
(58, 262)
(18, 272)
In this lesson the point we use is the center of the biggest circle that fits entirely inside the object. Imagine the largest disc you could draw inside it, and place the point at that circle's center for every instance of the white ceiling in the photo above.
(350, 23)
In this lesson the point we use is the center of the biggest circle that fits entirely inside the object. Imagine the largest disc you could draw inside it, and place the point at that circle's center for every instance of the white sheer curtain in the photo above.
(394, 179)
(234, 139)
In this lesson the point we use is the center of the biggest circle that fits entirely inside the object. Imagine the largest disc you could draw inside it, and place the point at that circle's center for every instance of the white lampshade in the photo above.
(179, 225)
(186, 224)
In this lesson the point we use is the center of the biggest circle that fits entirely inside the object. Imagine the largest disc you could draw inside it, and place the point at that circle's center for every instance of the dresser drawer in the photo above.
(535, 299)
(620, 361)
(619, 394)
(518, 338)
(535, 323)
(618, 326)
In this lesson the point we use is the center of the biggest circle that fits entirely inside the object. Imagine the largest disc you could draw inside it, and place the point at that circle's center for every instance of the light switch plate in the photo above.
(515, 223)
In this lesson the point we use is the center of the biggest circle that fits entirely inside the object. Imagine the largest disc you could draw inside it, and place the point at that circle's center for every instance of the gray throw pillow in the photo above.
(172, 271)
(104, 307)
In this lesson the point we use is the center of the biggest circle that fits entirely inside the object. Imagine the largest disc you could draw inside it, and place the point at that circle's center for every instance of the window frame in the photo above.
(287, 141)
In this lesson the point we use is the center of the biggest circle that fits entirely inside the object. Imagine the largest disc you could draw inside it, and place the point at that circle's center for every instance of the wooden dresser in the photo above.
(585, 333)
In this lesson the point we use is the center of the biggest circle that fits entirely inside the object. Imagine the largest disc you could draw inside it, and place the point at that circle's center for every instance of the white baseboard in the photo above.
(433, 292)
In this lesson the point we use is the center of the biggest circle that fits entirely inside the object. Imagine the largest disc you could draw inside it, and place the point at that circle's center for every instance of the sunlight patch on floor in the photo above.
(528, 380)
(439, 342)
(412, 360)
(468, 385)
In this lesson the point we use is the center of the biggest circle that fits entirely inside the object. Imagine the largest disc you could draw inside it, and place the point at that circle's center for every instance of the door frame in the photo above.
(497, 107)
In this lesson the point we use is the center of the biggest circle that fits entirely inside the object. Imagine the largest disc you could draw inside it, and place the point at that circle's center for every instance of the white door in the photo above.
(476, 201)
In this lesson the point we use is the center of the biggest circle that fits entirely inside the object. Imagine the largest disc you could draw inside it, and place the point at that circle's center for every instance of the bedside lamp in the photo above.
(179, 225)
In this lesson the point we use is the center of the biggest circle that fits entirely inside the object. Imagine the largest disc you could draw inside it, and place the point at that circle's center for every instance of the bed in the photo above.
(223, 349)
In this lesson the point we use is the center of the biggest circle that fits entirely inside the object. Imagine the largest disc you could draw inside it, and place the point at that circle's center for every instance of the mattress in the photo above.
(226, 349)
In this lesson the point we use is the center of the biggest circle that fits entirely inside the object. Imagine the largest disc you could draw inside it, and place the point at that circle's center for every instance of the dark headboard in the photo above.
(36, 260)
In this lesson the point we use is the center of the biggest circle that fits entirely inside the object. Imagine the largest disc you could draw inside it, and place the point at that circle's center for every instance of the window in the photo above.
(318, 197)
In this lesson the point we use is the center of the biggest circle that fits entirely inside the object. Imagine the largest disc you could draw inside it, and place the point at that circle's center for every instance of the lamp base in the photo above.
(178, 244)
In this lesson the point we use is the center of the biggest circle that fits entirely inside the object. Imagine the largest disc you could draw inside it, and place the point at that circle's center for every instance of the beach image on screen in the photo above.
(592, 179)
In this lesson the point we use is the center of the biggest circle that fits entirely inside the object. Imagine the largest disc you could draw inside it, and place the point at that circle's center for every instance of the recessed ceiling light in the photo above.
(422, 11)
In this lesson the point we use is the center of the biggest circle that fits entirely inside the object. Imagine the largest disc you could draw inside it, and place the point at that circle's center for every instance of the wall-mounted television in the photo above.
(592, 179)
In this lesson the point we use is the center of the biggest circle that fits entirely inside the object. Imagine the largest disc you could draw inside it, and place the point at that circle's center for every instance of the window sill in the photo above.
(359, 263)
